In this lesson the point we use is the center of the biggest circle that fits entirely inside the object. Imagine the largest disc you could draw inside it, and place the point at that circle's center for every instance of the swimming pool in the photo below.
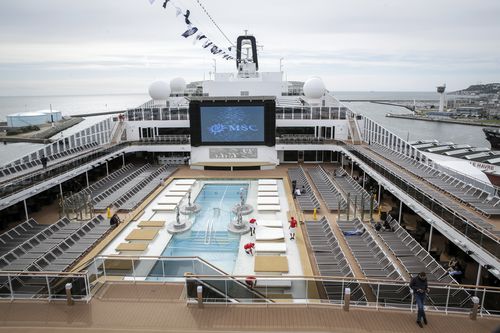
(209, 238)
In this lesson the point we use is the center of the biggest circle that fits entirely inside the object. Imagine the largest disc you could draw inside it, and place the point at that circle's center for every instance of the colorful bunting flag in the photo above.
(189, 32)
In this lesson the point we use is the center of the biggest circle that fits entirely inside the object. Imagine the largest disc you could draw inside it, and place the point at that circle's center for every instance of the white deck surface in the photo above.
(267, 194)
(268, 182)
(269, 208)
(175, 194)
(267, 188)
(270, 247)
(268, 201)
(185, 182)
(265, 233)
(180, 188)
(270, 223)
(164, 208)
(169, 200)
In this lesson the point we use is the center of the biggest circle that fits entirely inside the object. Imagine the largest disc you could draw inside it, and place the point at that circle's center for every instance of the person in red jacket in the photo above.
(253, 223)
(249, 248)
(250, 281)
(293, 226)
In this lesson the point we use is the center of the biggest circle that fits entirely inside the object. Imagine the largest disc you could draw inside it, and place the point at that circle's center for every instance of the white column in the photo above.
(87, 177)
(478, 278)
(430, 239)
(123, 159)
(61, 191)
(26, 210)
(107, 169)
(364, 178)
(379, 193)
(400, 217)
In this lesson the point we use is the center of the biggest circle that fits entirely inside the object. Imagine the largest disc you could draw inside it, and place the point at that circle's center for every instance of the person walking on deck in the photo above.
(253, 223)
(420, 288)
(293, 226)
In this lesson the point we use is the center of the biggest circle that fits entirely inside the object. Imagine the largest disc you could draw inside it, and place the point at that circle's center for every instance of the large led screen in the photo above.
(225, 124)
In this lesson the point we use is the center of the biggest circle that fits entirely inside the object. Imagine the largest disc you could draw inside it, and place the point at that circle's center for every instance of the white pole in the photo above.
(430, 239)
(51, 116)
(26, 210)
(478, 279)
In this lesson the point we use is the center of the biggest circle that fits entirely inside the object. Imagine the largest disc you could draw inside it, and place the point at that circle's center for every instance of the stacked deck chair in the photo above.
(374, 263)
(308, 200)
(331, 261)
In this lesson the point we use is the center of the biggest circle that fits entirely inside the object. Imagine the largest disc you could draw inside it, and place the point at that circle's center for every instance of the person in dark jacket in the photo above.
(420, 288)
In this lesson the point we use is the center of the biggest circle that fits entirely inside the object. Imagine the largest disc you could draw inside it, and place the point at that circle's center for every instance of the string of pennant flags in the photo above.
(192, 32)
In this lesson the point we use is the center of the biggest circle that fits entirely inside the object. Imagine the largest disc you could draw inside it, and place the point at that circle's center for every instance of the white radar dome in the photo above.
(178, 85)
(314, 88)
(159, 90)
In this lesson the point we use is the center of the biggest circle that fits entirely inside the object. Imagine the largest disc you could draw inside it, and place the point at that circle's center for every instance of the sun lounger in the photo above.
(271, 208)
(169, 200)
(268, 181)
(180, 188)
(270, 223)
(175, 194)
(271, 264)
(142, 234)
(264, 233)
(270, 247)
(267, 194)
(185, 182)
(151, 224)
(164, 208)
(132, 247)
(267, 188)
(268, 201)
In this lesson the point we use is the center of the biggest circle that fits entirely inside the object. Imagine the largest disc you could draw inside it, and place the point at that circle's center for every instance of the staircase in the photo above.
(117, 135)
(353, 132)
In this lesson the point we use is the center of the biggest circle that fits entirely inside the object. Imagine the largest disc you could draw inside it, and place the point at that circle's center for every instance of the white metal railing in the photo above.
(48, 286)
(310, 290)
(194, 271)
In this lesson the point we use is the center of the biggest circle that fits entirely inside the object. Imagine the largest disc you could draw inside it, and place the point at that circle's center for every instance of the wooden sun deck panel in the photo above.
(142, 234)
(132, 247)
(271, 264)
(151, 224)
(159, 307)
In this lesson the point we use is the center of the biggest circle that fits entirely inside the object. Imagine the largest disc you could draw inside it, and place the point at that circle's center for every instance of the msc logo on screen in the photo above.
(220, 128)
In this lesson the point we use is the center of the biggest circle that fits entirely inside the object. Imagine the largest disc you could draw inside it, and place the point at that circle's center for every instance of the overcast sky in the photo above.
(120, 46)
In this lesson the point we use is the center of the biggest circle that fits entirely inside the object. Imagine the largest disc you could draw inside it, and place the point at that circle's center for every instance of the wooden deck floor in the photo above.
(160, 307)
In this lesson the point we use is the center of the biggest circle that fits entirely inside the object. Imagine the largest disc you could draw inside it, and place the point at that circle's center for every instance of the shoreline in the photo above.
(447, 121)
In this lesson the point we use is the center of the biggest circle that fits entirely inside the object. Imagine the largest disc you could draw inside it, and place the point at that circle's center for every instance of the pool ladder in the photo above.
(210, 226)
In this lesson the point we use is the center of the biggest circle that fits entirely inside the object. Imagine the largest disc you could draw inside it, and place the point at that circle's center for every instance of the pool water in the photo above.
(209, 238)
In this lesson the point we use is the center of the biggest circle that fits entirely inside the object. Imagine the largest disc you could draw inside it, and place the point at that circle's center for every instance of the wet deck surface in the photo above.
(161, 307)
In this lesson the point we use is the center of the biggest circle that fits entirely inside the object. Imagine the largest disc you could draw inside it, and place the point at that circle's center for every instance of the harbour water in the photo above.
(414, 130)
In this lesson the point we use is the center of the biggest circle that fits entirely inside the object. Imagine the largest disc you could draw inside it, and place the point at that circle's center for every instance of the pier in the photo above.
(448, 121)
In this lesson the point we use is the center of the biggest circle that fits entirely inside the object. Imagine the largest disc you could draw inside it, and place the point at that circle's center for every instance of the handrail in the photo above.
(320, 278)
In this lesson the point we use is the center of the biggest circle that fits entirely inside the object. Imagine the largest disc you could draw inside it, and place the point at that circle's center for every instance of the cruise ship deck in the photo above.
(187, 171)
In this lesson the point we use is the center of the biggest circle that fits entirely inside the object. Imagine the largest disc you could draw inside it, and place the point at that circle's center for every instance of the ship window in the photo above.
(309, 156)
(290, 156)
(244, 93)
(165, 114)
(147, 114)
(297, 113)
(183, 114)
(174, 114)
(156, 114)
(324, 113)
(327, 156)
(307, 113)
